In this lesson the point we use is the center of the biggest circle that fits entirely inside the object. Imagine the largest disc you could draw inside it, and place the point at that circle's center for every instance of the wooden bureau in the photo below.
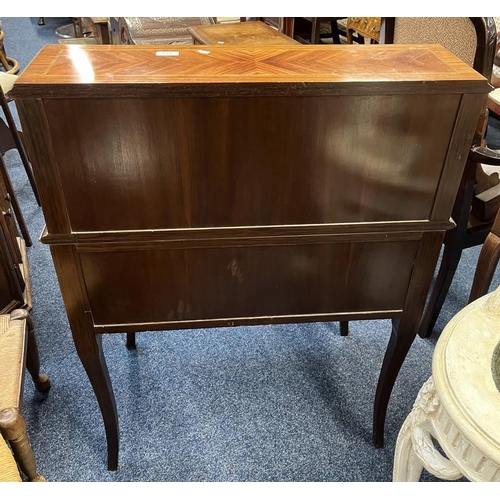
(241, 185)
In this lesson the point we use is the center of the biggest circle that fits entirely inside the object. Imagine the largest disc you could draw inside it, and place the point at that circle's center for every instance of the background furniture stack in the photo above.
(171, 30)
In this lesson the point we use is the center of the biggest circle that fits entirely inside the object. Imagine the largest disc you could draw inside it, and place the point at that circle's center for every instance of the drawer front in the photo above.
(166, 285)
(191, 163)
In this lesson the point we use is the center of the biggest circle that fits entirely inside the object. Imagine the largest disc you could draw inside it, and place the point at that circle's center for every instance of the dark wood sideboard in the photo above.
(241, 185)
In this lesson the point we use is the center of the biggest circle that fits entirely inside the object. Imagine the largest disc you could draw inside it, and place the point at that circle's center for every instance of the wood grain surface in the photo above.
(99, 71)
(187, 163)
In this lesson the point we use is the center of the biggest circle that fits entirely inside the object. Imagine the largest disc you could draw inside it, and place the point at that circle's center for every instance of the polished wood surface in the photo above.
(206, 200)
(267, 179)
(105, 71)
(214, 283)
(248, 33)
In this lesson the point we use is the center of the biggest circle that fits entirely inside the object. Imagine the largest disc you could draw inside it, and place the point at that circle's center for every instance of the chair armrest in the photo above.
(485, 155)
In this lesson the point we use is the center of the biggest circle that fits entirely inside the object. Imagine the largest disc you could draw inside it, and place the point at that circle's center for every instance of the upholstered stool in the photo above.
(18, 348)
(459, 406)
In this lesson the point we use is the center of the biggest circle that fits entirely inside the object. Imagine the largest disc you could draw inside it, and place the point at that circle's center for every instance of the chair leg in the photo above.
(41, 21)
(453, 246)
(486, 265)
(19, 145)
(349, 36)
(130, 343)
(41, 381)
(344, 328)
(315, 30)
(13, 428)
(335, 32)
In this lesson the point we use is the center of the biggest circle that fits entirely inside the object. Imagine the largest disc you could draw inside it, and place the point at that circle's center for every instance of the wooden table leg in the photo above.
(88, 344)
(404, 330)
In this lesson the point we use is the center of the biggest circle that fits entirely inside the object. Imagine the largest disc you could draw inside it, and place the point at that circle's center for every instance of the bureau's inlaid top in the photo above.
(110, 69)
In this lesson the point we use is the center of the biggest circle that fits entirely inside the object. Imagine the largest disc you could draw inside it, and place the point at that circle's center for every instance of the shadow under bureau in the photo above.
(239, 185)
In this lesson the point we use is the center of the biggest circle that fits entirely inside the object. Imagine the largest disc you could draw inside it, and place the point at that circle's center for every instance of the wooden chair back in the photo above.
(472, 39)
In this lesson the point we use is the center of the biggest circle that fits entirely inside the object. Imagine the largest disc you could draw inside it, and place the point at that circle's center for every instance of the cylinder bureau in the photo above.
(238, 185)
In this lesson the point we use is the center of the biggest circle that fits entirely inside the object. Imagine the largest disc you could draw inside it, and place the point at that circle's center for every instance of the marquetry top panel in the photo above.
(100, 71)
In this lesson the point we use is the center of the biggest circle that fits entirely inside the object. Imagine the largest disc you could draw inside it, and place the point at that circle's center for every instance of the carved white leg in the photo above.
(415, 446)
(457, 406)
(407, 465)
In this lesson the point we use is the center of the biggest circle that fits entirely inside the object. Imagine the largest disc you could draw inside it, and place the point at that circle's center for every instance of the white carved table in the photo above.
(459, 406)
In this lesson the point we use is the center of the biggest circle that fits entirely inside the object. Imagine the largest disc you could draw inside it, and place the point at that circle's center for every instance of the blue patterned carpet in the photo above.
(273, 403)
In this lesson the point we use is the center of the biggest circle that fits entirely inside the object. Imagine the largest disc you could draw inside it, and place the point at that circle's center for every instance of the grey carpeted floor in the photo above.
(273, 403)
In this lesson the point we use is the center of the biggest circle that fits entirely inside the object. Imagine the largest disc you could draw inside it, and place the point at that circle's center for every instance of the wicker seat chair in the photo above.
(18, 348)
(8, 467)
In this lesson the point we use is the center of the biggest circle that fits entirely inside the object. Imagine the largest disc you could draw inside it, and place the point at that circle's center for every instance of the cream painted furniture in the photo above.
(459, 406)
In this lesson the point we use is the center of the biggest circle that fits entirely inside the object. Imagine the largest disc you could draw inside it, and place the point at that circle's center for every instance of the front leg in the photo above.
(89, 348)
(88, 344)
(399, 344)
(404, 330)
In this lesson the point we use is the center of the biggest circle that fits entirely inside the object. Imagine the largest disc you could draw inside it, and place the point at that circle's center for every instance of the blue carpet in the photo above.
(272, 403)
